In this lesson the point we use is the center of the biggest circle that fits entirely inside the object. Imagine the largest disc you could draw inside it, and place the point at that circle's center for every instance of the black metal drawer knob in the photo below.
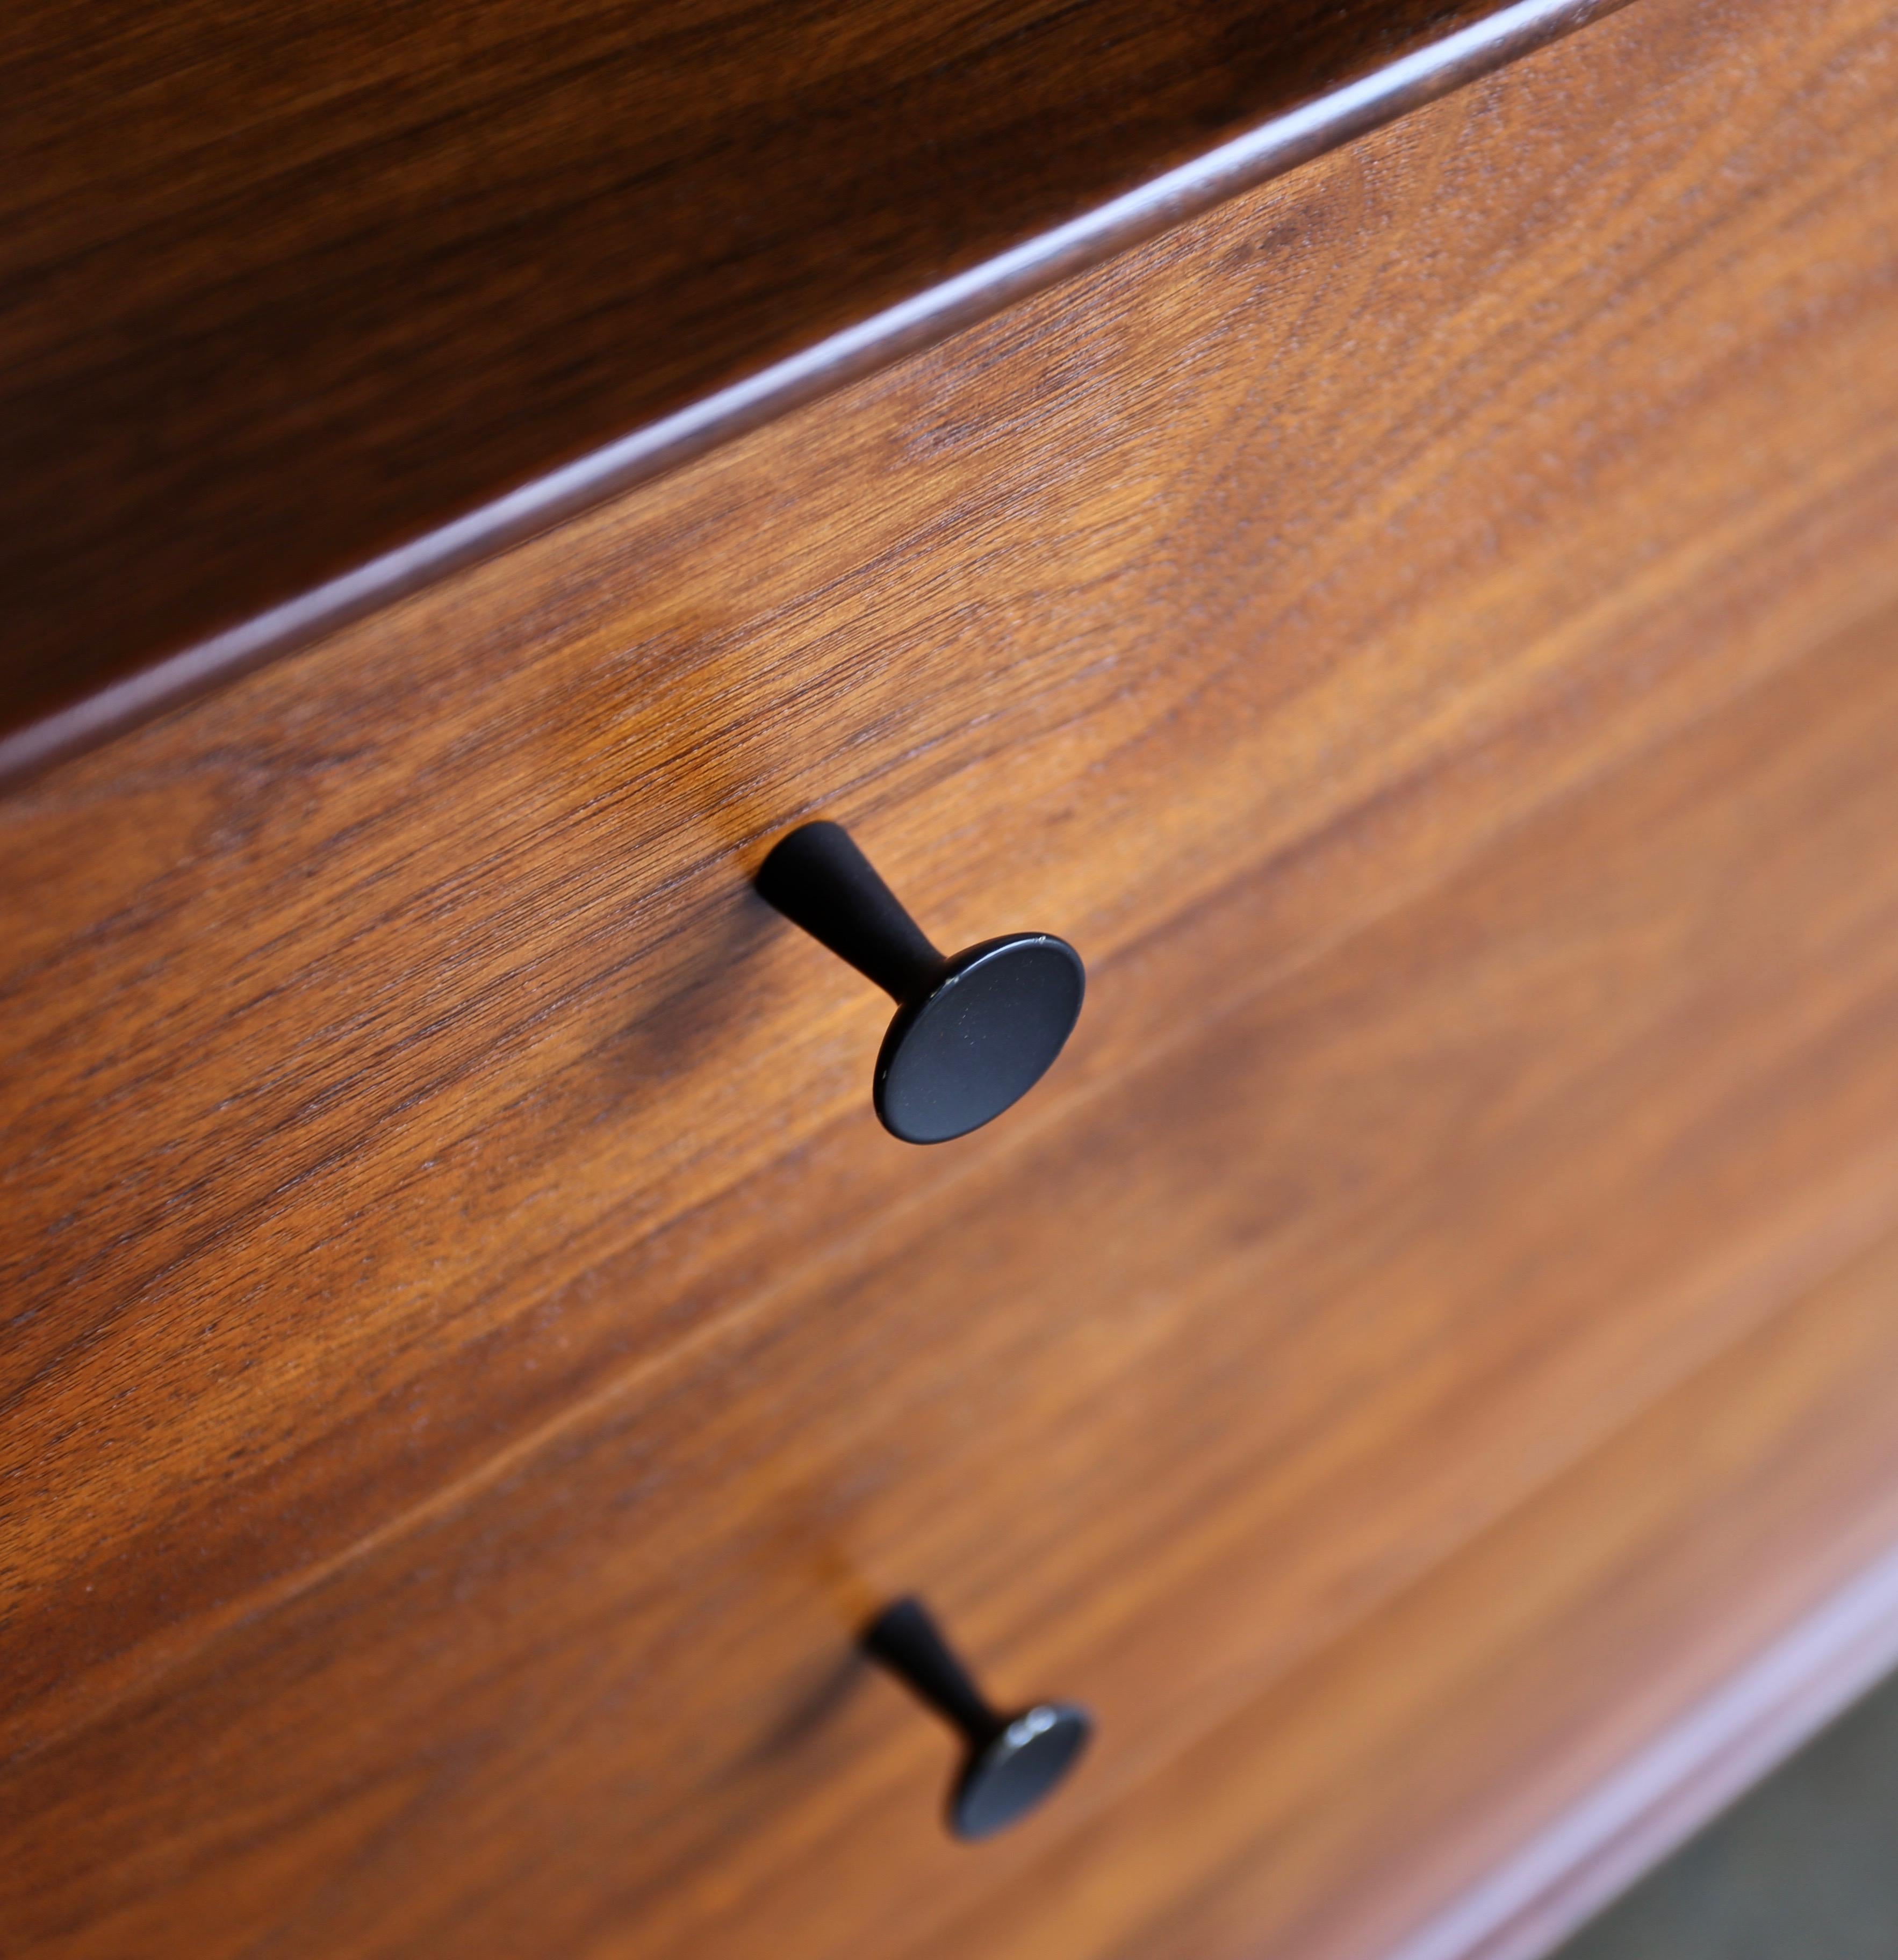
(1014, 1760)
(973, 1032)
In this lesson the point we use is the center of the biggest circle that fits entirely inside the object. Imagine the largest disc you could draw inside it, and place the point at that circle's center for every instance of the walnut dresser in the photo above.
(1375, 521)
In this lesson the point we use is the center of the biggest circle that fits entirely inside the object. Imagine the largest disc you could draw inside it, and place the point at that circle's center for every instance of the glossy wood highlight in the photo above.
(474, 1362)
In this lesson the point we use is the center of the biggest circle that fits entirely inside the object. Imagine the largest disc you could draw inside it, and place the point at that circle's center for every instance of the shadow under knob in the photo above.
(1014, 1761)
(974, 1031)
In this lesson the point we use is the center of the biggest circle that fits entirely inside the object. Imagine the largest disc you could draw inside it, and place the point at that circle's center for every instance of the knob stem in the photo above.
(818, 879)
(910, 1644)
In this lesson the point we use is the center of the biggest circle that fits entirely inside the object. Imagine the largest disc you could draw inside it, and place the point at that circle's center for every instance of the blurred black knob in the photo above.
(1014, 1760)
(973, 1032)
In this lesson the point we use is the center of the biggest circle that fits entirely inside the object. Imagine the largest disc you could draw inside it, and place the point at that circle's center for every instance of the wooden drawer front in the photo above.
(473, 1359)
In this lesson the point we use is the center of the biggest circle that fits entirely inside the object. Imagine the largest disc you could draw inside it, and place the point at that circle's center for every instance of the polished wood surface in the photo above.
(473, 1359)
(294, 287)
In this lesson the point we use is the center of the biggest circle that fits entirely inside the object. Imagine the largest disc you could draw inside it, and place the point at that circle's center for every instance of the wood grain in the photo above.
(1409, 1760)
(310, 304)
(472, 1357)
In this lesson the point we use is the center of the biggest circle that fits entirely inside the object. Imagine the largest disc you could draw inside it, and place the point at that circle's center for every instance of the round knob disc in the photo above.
(1018, 1768)
(981, 1038)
